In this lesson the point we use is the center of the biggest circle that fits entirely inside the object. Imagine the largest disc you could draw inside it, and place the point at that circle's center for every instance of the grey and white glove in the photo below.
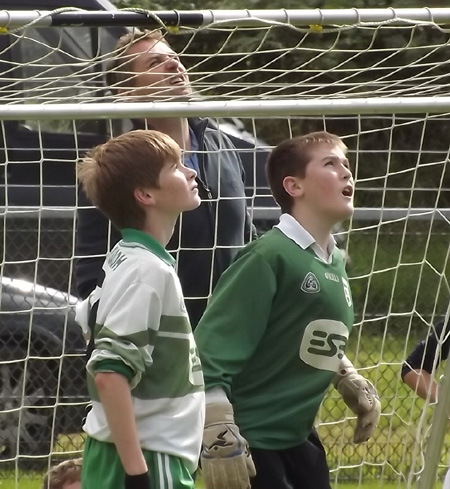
(361, 397)
(225, 459)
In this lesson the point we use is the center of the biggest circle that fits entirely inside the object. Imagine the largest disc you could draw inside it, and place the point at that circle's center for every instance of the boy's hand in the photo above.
(141, 481)
(225, 459)
(361, 397)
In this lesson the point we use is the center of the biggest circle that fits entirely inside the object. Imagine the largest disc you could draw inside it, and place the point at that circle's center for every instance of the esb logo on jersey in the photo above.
(323, 344)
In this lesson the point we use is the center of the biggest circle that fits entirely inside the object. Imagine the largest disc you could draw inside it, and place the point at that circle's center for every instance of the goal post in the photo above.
(171, 19)
(376, 77)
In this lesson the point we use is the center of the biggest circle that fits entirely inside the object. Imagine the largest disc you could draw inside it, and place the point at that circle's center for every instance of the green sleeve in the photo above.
(235, 319)
(115, 366)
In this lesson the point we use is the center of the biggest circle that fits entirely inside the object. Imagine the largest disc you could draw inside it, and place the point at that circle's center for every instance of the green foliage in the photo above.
(253, 62)
(273, 4)
(396, 274)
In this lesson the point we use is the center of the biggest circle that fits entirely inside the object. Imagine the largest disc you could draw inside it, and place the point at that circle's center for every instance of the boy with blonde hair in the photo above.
(273, 336)
(144, 375)
(65, 475)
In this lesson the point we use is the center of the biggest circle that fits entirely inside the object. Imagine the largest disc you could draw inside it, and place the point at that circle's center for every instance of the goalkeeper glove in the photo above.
(141, 481)
(361, 397)
(225, 459)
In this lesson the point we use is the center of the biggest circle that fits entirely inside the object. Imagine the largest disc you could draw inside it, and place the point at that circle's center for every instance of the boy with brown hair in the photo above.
(144, 376)
(273, 336)
(65, 475)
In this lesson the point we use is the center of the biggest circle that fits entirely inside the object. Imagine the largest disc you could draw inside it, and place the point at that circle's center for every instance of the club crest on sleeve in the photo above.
(310, 284)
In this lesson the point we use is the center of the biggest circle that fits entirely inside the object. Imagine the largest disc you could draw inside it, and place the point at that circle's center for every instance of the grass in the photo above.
(33, 480)
(37, 484)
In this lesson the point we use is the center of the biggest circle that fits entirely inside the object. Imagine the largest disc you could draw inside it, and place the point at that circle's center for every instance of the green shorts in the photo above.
(102, 468)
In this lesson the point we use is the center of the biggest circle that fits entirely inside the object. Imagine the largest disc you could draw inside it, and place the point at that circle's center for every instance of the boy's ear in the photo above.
(144, 196)
(293, 186)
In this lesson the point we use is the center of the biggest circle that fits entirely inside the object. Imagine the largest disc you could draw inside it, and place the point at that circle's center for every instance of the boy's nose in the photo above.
(190, 173)
(194, 174)
(347, 172)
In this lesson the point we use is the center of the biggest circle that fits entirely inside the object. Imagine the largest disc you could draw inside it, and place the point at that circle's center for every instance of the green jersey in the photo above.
(274, 333)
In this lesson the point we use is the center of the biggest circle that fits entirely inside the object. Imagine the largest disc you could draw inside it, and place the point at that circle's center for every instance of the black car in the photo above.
(42, 350)
(42, 360)
(35, 64)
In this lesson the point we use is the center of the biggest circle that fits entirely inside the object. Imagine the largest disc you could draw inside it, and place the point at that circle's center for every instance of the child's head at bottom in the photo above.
(65, 475)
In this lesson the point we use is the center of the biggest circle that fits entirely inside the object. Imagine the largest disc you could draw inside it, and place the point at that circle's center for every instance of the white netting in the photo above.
(397, 243)
(269, 61)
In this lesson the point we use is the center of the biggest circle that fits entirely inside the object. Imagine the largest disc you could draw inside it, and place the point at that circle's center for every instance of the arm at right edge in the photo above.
(417, 368)
(421, 382)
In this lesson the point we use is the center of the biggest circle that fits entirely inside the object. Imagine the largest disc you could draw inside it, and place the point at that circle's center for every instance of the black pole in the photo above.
(170, 18)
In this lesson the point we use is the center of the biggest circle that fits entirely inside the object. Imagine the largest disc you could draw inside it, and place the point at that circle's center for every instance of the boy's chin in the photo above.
(346, 213)
(195, 203)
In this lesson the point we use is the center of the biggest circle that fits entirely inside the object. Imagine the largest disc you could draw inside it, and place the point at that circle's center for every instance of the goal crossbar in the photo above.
(230, 108)
(225, 18)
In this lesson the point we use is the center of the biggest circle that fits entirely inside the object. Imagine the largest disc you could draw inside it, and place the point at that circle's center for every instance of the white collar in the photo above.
(289, 226)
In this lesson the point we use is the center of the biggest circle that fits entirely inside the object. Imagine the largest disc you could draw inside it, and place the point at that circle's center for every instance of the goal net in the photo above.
(378, 78)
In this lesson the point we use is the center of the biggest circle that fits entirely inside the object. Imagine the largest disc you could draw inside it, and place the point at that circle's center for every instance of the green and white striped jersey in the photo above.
(142, 331)
(274, 333)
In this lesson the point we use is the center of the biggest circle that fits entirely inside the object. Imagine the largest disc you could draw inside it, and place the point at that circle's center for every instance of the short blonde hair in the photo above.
(291, 158)
(119, 67)
(111, 172)
(66, 472)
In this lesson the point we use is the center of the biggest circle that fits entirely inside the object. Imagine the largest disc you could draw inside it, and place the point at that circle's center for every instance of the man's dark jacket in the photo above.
(210, 235)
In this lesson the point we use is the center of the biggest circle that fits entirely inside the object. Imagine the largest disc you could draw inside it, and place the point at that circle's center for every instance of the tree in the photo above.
(253, 63)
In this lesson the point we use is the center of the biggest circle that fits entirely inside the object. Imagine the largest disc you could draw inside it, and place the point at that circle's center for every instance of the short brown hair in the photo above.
(290, 158)
(119, 67)
(66, 472)
(111, 172)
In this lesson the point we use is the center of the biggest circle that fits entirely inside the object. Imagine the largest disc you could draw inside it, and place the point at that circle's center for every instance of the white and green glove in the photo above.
(361, 397)
(225, 459)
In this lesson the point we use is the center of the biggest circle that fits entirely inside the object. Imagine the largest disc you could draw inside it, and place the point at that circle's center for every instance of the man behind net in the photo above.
(206, 240)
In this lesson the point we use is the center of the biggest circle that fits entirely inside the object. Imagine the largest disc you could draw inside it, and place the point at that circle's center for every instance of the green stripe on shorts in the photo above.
(102, 468)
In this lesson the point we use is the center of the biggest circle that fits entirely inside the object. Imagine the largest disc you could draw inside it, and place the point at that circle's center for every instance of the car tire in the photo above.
(28, 388)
